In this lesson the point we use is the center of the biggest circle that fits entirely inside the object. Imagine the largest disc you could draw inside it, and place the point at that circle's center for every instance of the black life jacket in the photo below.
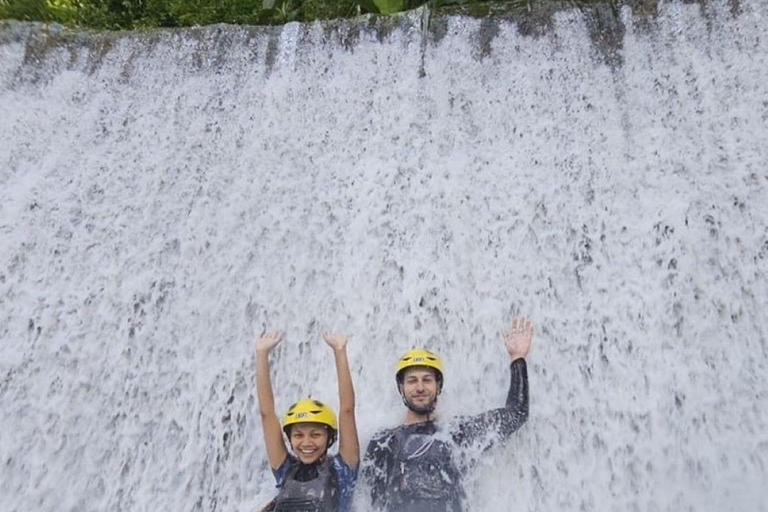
(317, 494)
(425, 477)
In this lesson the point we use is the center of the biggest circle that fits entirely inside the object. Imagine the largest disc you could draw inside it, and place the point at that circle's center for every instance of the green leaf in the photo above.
(384, 6)
(390, 6)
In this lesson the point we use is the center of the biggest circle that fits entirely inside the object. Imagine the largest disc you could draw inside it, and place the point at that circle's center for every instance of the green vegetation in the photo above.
(139, 14)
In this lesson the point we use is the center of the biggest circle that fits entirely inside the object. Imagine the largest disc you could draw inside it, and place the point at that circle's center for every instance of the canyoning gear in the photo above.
(414, 470)
(419, 467)
(324, 486)
(309, 410)
(419, 357)
(427, 476)
(309, 488)
(269, 507)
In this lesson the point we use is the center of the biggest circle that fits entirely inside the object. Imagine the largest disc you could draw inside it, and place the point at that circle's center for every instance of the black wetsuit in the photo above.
(416, 468)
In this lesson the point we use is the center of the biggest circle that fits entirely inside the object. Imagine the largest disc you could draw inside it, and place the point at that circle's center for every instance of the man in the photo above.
(416, 467)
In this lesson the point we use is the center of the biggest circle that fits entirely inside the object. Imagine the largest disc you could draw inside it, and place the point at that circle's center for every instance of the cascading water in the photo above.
(165, 194)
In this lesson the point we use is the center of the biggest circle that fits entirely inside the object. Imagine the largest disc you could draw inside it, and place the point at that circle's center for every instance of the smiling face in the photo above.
(419, 388)
(309, 441)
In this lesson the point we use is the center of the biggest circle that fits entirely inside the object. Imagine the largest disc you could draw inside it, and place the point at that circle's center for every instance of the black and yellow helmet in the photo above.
(309, 410)
(419, 357)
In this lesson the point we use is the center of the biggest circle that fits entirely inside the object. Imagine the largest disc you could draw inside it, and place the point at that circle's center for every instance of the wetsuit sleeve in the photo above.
(375, 468)
(498, 424)
(346, 476)
(281, 473)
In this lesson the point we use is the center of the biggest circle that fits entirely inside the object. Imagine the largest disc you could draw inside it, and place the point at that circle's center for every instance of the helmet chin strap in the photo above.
(420, 410)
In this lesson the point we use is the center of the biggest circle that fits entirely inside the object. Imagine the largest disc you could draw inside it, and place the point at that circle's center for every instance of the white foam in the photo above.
(165, 194)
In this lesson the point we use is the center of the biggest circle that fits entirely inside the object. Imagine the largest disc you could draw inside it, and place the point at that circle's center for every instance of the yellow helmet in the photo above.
(419, 357)
(309, 410)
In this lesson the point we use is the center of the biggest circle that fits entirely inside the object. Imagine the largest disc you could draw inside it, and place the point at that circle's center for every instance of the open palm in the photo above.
(336, 341)
(268, 340)
(518, 338)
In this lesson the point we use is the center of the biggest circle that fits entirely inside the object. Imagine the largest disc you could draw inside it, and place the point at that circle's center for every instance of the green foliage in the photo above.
(138, 14)
(28, 10)
(329, 9)
(384, 6)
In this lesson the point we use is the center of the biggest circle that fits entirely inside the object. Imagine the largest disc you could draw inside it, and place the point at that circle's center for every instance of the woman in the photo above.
(310, 480)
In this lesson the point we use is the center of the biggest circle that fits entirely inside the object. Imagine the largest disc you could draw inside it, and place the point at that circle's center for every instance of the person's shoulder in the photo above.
(346, 474)
(384, 435)
(281, 473)
(290, 461)
(340, 465)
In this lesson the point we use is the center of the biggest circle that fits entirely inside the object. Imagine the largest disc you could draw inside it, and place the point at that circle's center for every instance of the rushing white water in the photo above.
(164, 194)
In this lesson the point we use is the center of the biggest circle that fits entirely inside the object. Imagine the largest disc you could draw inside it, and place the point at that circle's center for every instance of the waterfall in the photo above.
(166, 194)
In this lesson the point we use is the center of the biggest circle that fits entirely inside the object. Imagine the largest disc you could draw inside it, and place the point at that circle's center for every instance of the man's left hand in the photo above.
(518, 338)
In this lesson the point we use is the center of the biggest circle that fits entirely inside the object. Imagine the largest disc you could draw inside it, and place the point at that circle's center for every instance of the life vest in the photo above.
(318, 494)
(425, 477)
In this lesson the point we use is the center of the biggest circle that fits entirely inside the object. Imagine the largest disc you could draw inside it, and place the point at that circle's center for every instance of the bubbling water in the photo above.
(165, 194)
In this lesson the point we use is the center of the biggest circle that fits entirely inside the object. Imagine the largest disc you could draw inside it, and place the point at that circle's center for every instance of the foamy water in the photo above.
(165, 194)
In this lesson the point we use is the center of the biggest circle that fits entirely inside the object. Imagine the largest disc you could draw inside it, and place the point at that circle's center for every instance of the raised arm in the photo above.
(273, 435)
(499, 424)
(349, 445)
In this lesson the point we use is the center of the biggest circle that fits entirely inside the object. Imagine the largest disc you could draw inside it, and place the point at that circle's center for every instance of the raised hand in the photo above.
(268, 341)
(273, 434)
(518, 338)
(336, 341)
(349, 444)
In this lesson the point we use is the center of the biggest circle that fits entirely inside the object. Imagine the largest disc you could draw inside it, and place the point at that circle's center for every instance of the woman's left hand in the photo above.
(336, 341)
